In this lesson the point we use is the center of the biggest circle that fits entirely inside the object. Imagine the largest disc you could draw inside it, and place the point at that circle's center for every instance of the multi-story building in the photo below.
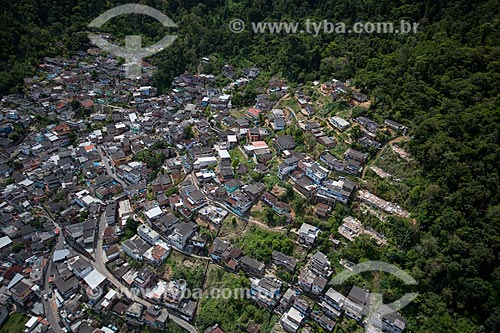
(134, 314)
(135, 247)
(144, 278)
(331, 191)
(281, 259)
(339, 123)
(148, 234)
(174, 292)
(266, 290)
(251, 266)
(308, 234)
(292, 320)
(332, 303)
(320, 265)
(157, 254)
(20, 289)
(289, 164)
(354, 305)
(181, 233)
(239, 202)
(316, 172)
(156, 318)
(192, 197)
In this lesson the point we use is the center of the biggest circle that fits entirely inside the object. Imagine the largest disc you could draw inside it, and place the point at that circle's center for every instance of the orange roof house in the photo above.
(61, 129)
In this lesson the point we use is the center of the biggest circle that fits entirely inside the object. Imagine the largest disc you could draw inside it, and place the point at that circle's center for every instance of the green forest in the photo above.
(444, 81)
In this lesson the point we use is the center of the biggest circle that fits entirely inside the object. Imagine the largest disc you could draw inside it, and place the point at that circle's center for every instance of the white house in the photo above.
(148, 234)
(153, 213)
(339, 123)
(308, 234)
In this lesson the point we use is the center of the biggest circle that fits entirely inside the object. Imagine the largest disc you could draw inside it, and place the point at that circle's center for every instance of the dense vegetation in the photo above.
(259, 244)
(15, 323)
(232, 314)
(443, 82)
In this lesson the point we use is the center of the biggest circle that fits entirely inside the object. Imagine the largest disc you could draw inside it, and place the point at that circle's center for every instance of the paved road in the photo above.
(100, 266)
(50, 306)
(110, 172)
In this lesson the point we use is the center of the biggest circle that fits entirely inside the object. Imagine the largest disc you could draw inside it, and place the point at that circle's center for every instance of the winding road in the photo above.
(110, 172)
(50, 305)
(100, 266)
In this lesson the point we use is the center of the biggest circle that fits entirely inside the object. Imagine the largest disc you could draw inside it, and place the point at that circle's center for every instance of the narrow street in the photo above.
(100, 266)
(50, 305)
(110, 172)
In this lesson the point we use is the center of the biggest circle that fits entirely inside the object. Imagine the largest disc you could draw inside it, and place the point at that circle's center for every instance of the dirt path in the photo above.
(264, 226)
(388, 144)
